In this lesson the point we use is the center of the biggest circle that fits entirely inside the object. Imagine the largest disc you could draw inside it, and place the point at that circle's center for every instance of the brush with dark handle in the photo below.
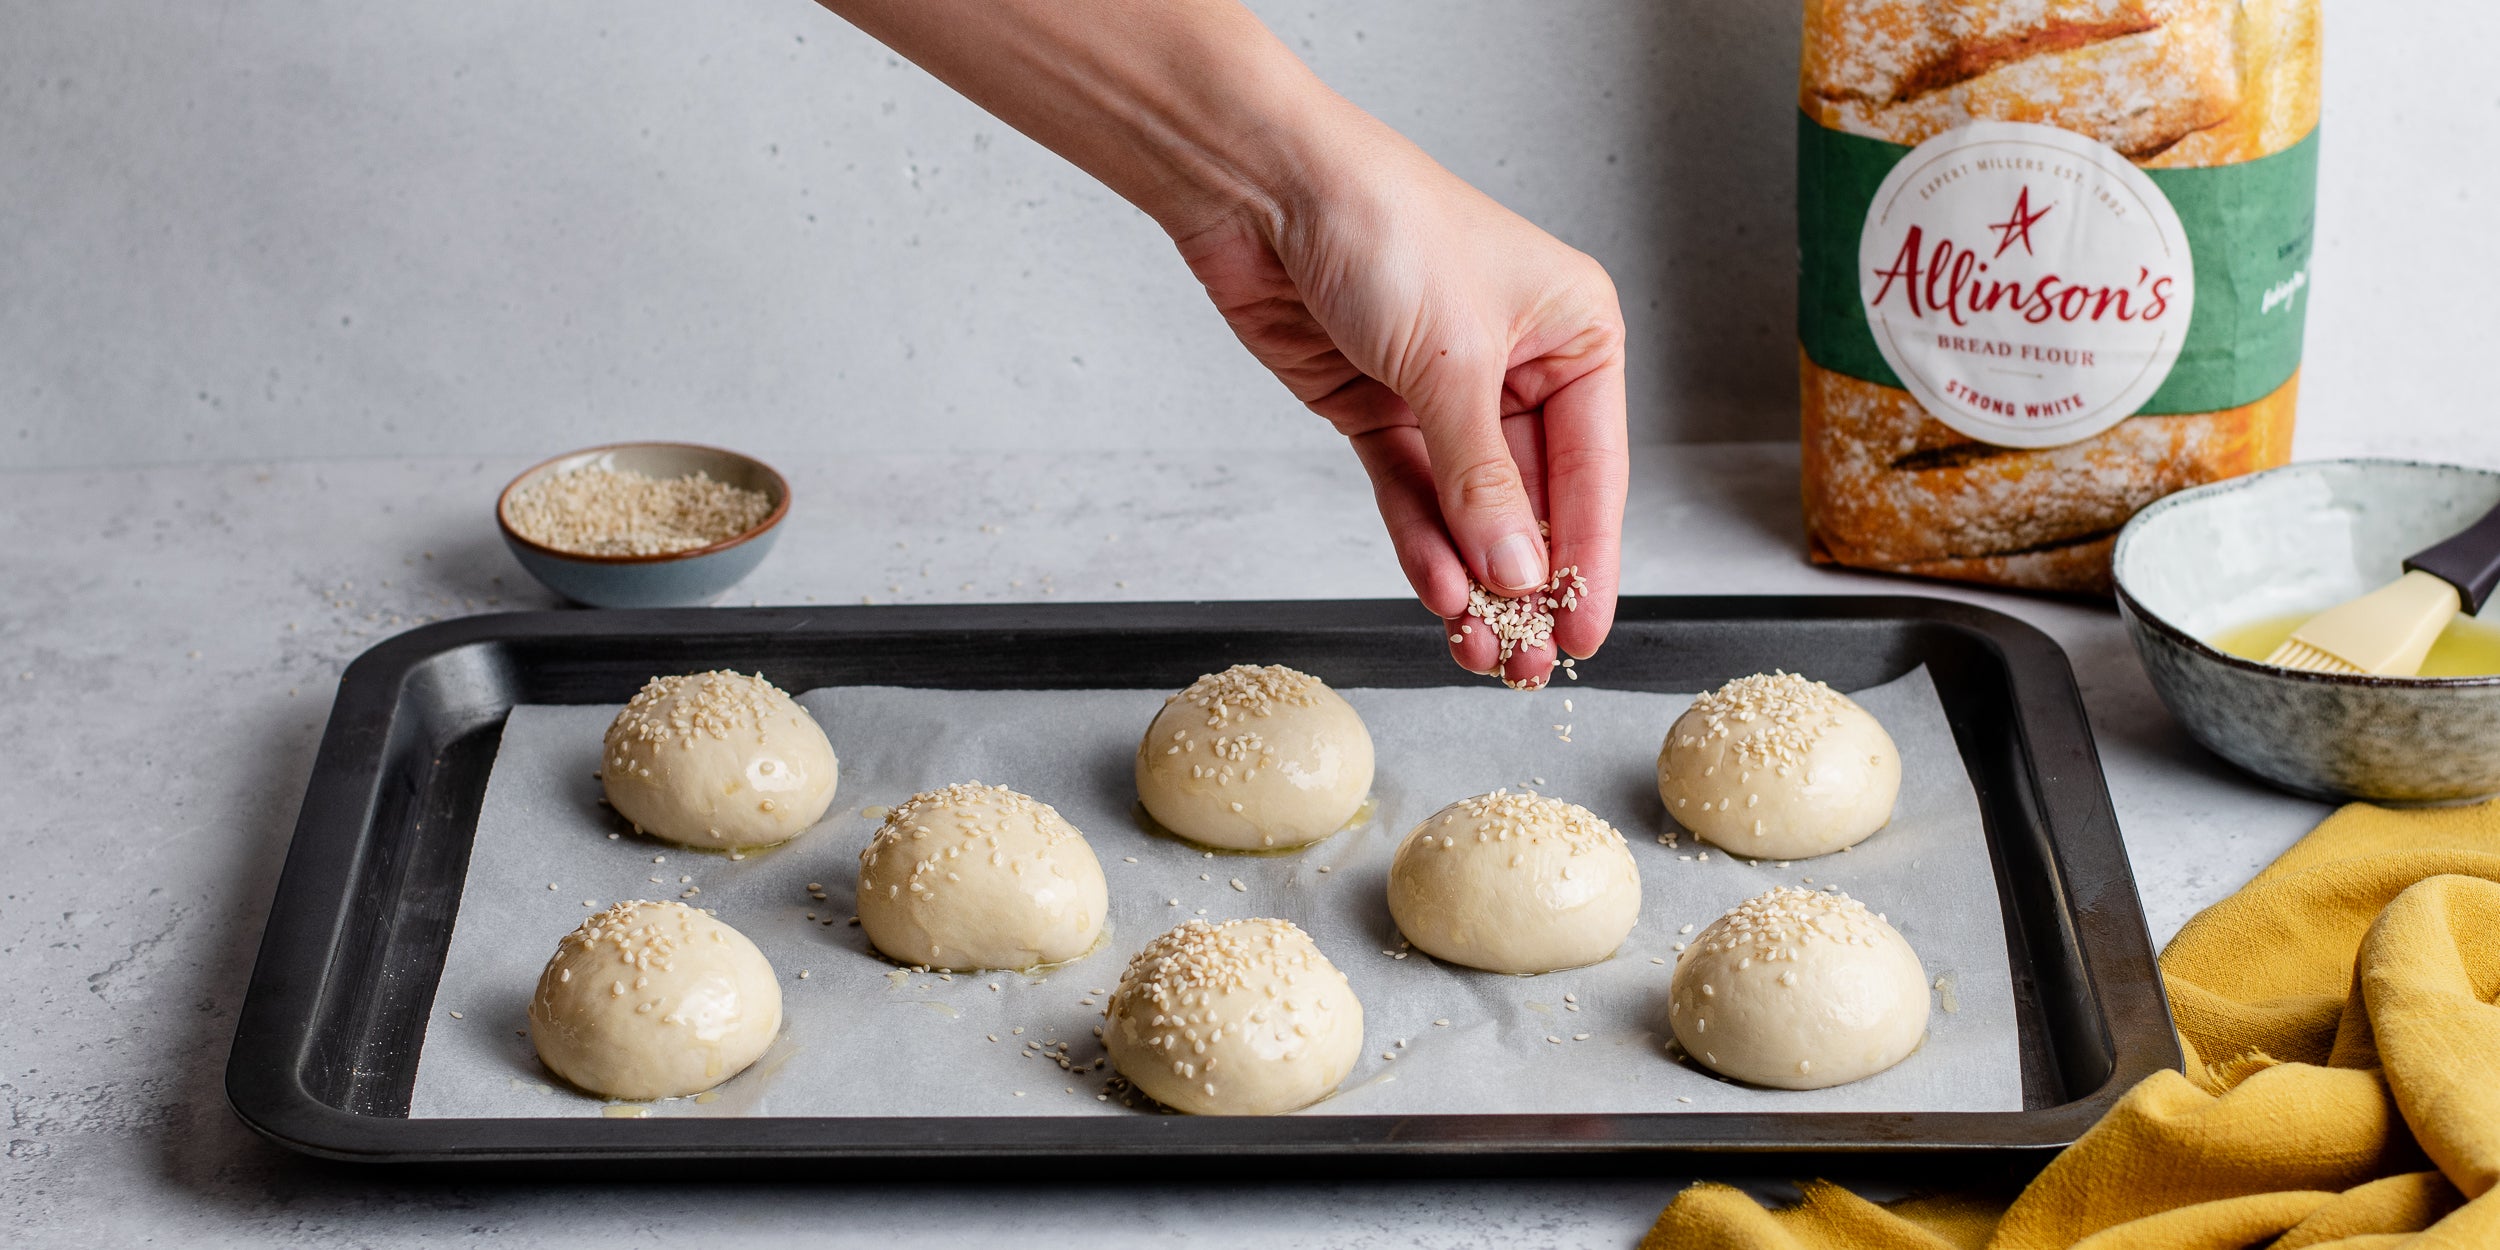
(2470, 561)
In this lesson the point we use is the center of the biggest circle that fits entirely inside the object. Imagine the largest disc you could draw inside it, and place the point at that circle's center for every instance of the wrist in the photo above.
(1255, 148)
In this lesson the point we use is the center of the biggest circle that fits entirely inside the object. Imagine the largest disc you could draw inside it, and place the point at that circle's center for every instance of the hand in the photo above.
(1475, 362)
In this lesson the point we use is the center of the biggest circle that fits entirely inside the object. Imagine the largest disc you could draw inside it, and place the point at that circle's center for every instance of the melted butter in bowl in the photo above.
(2210, 579)
(2467, 648)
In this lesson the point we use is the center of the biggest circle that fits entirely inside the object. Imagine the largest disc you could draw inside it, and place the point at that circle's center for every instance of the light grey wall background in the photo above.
(242, 229)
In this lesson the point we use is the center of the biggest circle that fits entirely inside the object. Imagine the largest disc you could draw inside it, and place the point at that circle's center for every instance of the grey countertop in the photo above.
(169, 639)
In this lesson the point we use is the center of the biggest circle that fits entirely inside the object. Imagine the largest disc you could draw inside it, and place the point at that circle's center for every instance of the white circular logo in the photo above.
(2031, 286)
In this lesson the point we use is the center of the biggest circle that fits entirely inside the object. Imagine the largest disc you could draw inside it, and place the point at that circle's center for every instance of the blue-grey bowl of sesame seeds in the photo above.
(643, 525)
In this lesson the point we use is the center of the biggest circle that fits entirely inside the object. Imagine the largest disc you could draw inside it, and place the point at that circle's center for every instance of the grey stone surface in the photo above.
(169, 637)
(255, 229)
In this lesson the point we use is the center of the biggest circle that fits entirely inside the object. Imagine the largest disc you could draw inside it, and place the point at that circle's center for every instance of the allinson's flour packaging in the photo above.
(2055, 263)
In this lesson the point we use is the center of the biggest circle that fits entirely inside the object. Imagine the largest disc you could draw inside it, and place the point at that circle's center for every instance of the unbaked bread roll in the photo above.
(1255, 758)
(1241, 1018)
(1798, 990)
(975, 876)
(1515, 883)
(653, 1000)
(718, 759)
(1774, 766)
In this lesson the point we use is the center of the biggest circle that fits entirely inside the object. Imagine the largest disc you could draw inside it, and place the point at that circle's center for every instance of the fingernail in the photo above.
(1517, 563)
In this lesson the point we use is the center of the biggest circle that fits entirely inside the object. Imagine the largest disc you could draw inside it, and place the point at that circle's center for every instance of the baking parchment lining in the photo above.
(864, 1037)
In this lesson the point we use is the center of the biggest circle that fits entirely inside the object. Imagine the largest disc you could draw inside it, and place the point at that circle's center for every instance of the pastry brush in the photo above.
(2388, 631)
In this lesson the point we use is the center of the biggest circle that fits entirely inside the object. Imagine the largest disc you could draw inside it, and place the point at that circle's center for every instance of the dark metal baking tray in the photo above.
(325, 1051)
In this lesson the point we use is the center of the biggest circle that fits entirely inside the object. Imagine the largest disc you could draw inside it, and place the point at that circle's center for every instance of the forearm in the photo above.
(1189, 109)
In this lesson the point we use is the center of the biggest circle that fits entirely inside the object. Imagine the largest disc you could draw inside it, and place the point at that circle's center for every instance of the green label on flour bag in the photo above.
(2031, 287)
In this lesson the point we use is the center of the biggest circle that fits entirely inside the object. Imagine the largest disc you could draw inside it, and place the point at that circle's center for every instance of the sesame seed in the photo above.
(1682, 1098)
(457, 1016)
(1555, 1040)
(600, 511)
(1236, 884)
(1579, 1037)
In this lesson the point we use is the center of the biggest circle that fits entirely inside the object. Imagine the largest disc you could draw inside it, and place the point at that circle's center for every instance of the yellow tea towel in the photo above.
(2342, 1085)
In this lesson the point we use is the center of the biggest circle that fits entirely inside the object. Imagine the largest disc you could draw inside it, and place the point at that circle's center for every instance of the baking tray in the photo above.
(325, 1050)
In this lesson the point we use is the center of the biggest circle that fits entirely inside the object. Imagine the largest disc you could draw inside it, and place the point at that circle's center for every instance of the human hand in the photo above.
(1474, 361)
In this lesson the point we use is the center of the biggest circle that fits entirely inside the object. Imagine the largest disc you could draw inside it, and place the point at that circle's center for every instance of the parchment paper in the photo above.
(854, 1013)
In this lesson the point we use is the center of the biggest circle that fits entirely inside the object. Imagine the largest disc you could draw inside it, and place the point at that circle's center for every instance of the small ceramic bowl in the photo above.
(2299, 539)
(676, 579)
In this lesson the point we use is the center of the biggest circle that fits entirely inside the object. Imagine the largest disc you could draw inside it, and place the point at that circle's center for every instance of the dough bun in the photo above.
(975, 876)
(653, 1000)
(1255, 758)
(1241, 1018)
(718, 760)
(1774, 766)
(1798, 990)
(1515, 882)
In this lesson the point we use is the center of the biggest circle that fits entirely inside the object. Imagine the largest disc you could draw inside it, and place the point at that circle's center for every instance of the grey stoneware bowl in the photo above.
(676, 579)
(2299, 539)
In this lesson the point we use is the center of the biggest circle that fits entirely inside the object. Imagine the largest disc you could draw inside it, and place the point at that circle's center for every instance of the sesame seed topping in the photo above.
(1773, 925)
(601, 511)
(1504, 814)
(1769, 720)
(1526, 622)
(1251, 690)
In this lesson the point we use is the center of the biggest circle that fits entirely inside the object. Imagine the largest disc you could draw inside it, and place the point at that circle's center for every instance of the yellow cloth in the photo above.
(2342, 1085)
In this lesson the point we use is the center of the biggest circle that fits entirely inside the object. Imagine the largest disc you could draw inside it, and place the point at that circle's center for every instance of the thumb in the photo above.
(1458, 409)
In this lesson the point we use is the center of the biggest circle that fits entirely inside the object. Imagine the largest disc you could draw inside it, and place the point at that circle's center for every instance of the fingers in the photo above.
(1484, 503)
(1530, 667)
(1524, 434)
(1476, 650)
(1402, 487)
(1587, 464)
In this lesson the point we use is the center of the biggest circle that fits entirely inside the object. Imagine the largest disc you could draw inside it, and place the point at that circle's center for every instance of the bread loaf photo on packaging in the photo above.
(2054, 265)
